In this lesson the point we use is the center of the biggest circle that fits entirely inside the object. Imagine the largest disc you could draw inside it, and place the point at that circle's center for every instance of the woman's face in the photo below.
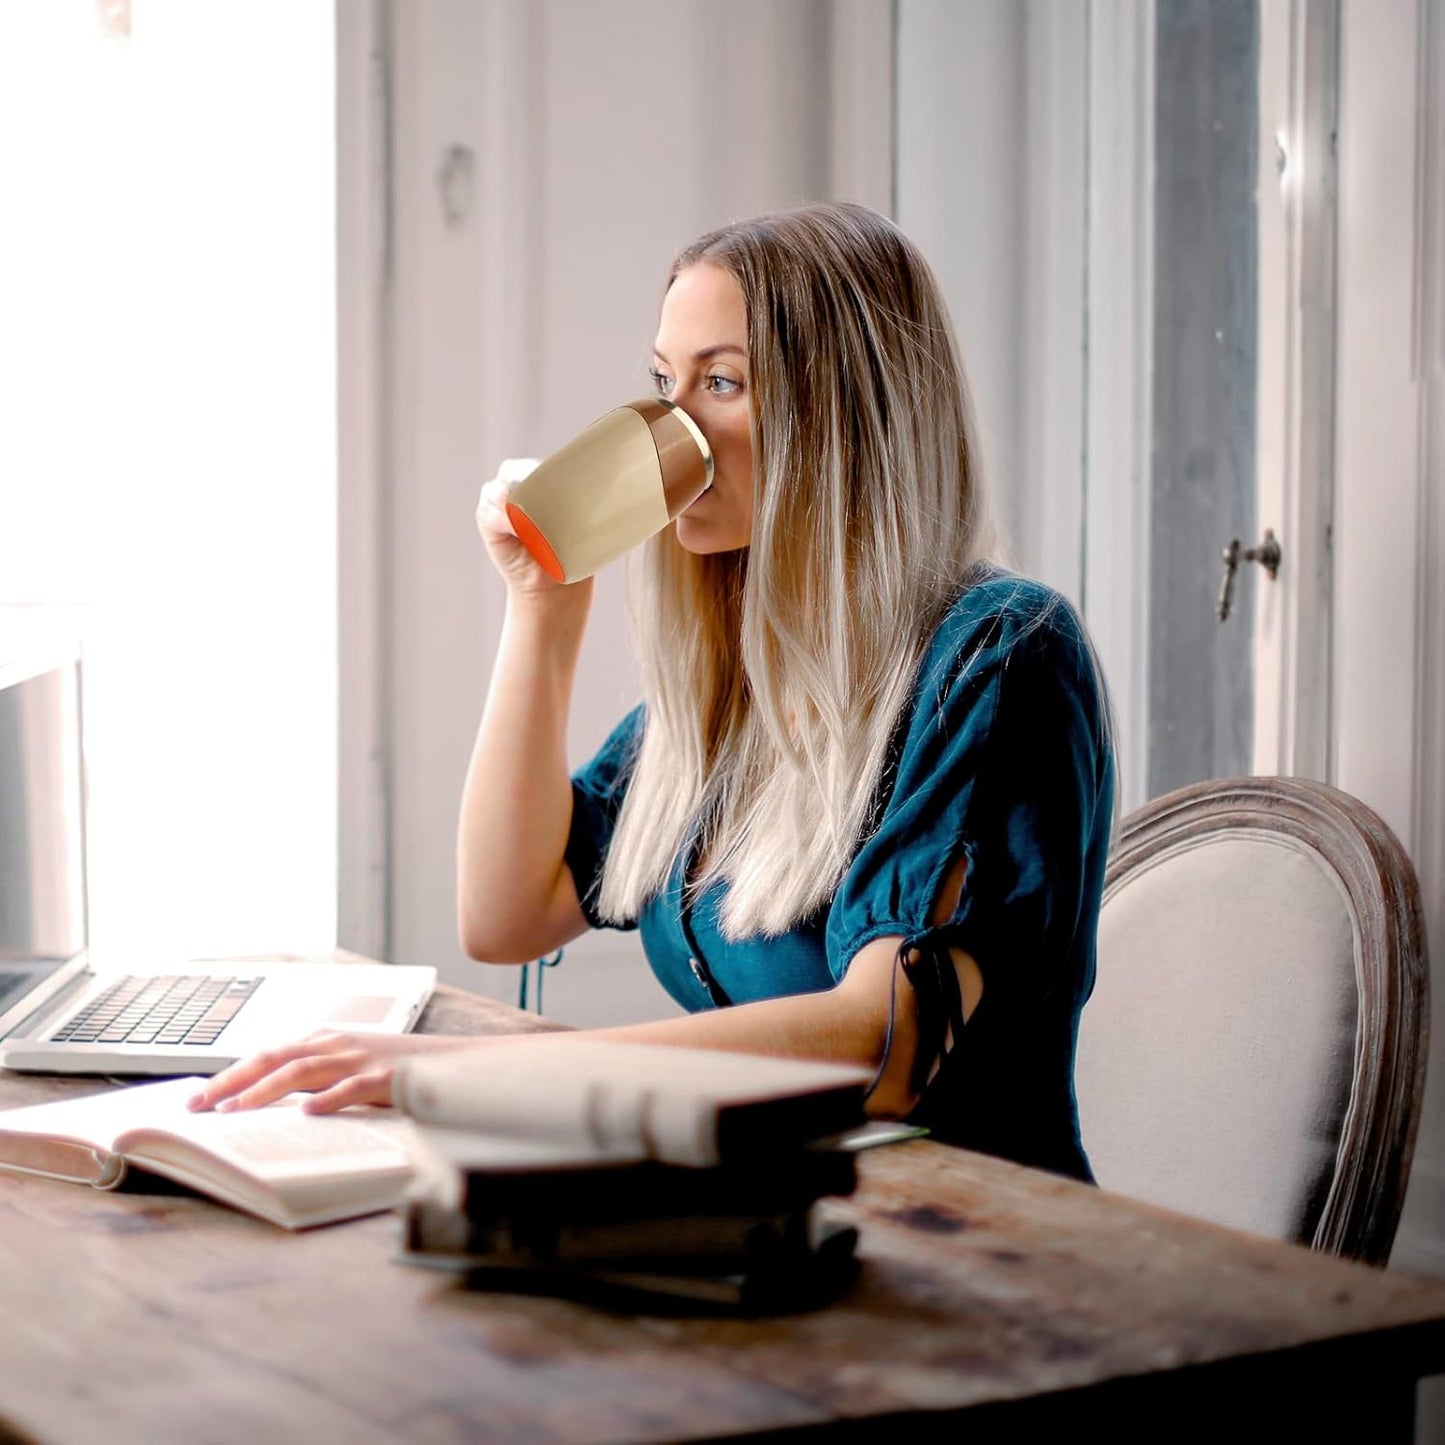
(700, 361)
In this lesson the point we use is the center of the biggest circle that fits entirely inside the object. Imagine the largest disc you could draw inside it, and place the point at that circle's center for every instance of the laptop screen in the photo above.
(42, 824)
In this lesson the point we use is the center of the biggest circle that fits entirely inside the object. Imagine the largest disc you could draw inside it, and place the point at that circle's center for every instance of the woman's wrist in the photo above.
(555, 610)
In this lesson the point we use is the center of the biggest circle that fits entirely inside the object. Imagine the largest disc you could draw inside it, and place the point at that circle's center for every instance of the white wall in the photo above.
(961, 195)
(1389, 682)
(593, 158)
(990, 175)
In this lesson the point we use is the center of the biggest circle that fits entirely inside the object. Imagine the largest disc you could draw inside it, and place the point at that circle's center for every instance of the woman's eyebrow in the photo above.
(706, 354)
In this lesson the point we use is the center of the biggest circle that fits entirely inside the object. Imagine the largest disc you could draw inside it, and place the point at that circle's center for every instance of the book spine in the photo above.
(650, 1190)
(694, 1242)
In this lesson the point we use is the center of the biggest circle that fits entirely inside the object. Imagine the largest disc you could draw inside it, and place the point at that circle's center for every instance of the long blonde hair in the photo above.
(774, 676)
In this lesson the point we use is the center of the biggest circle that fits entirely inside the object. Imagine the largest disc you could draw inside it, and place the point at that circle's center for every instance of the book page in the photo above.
(286, 1166)
(278, 1142)
(97, 1118)
(275, 1141)
(290, 1167)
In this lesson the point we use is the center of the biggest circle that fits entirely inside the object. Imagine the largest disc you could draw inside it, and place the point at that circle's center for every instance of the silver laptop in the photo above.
(60, 1013)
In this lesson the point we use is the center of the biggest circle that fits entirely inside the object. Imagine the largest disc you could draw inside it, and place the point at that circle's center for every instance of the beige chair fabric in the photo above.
(1254, 1050)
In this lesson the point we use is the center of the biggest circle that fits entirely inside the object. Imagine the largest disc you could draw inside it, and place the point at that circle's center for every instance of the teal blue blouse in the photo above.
(1003, 755)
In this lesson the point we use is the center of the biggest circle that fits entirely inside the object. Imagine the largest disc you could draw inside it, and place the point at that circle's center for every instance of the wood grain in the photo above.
(982, 1283)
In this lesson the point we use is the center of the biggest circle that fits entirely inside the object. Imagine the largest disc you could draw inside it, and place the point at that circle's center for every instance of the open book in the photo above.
(578, 1098)
(291, 1168)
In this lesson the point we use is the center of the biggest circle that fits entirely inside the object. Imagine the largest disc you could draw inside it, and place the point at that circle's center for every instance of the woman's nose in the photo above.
(693, 400)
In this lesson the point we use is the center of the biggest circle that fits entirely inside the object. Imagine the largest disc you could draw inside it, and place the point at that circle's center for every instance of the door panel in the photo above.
(1201, 712)
(1219, 416)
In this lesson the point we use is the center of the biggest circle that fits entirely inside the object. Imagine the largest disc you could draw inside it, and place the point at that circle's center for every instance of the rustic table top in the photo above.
(164, 1316)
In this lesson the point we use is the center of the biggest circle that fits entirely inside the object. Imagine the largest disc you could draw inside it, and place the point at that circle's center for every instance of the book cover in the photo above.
(644, 1189)
(722, 1264)
(690, 1243)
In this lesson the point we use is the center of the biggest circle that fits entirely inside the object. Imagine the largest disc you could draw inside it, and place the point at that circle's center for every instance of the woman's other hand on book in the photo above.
(336, 1069)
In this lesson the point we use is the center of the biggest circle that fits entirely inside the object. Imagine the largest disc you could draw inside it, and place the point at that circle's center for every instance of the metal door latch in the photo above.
(1267, 554)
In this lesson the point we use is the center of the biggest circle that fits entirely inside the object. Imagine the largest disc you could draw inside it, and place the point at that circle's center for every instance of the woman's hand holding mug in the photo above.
(515, 563)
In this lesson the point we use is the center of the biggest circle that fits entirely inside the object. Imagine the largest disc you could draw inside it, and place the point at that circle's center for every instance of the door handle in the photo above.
(1267, 554)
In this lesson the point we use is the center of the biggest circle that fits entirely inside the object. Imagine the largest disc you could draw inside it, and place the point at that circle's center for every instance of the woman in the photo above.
(864, 811)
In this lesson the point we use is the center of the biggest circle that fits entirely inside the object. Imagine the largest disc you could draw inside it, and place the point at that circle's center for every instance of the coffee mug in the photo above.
(610, 488)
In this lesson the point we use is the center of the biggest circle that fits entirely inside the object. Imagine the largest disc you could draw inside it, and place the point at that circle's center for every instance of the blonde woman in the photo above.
(864, 808)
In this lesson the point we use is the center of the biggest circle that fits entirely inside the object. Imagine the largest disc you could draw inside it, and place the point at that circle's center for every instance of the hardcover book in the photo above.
(594, 1099)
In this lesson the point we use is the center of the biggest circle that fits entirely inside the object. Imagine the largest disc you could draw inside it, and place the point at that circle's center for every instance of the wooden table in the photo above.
(992, 1299)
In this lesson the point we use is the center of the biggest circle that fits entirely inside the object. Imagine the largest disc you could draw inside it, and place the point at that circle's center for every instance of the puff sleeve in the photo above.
(1004, 759)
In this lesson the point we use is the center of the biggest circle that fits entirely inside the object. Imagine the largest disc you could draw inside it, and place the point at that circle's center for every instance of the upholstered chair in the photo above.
(1254, 1050)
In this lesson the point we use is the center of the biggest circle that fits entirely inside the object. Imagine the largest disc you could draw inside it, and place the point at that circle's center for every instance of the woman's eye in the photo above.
(722, 385)
(660, 380)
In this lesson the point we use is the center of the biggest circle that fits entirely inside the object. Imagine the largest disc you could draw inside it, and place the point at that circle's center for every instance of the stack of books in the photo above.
(642, 1175)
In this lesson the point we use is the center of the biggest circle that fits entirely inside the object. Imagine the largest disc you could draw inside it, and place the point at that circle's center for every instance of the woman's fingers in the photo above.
(274, 1072)
(308, 1074)
(323, 1063)
(518, 568)
(492, 504)
(234, 1078)
(492, 509)
(371, 1087)
(337, 1069)
(513, 470)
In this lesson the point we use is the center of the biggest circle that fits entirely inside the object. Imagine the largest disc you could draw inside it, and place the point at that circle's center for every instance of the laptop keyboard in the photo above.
(172, 1009)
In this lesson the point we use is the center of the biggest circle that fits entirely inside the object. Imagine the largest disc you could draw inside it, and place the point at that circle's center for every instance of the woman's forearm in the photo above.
(809, 1026)
(515, 898)
(847, 1024)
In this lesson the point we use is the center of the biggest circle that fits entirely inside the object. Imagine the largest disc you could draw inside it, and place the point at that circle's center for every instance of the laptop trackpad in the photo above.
(361, 1010)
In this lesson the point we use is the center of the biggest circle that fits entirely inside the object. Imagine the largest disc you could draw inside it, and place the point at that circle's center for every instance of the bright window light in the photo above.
(167, 454)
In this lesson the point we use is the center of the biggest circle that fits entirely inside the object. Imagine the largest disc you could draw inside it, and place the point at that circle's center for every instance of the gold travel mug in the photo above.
(610, 488)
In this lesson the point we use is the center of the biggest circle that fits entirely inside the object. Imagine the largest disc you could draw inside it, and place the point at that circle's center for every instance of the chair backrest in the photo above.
(1254, 1050)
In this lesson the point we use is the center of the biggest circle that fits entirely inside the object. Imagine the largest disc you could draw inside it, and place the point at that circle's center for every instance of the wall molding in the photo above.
(1056, 51)
(1427, 835)
(363, 227)
(1390, 534)
(1429, 369)
(1307, 722)
(1118, 377)
(1296, 428)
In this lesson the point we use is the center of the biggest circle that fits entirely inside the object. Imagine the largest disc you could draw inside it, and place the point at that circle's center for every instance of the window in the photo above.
(167, 463)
